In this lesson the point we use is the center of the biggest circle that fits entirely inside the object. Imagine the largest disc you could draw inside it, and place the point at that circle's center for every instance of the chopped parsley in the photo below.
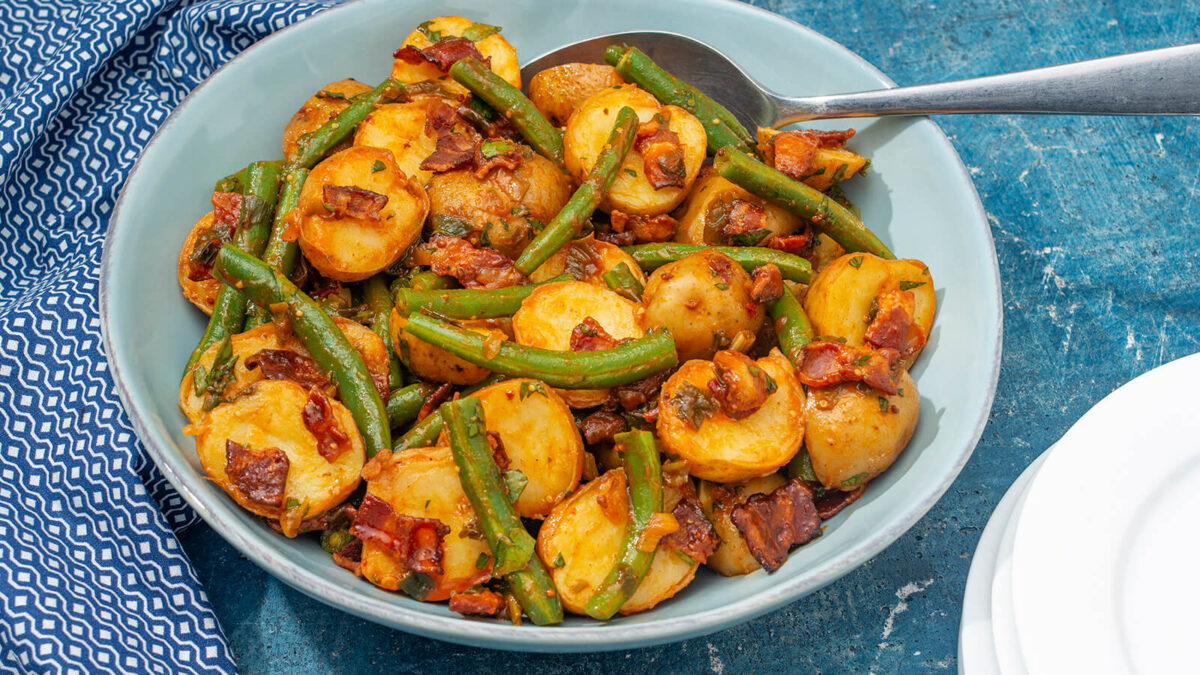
(856, 261)
(480, 31)
(433, 35)
(377, 166)
(559, 561)
(909, 285)
(530, 388)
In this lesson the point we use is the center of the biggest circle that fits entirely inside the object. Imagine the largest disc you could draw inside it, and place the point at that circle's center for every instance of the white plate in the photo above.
(976, 645)
(1106, 552)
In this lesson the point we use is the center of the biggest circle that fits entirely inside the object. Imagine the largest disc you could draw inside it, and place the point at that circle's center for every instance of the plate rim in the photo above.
(599, 637)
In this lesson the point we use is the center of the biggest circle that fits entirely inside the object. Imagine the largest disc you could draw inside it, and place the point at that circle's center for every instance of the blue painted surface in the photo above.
(1095, 222)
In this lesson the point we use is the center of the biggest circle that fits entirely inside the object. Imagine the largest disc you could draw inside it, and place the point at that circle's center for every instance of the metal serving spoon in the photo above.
(1156, 82)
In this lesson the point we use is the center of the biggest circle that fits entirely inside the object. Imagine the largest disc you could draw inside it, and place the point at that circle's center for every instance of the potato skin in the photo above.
(540, 439)
(557, 91)
(586, 530)
(318, 110)
(726, 450)
(603, 256)
(423, 483)
(732, 557)
(710, 187)
(500, 54)
(400, 129)
(839, 298)
(704, 300)
(587, 133)
(202, 293)
(850, 439)
(269, 414)
(434, 363)
(352, 249)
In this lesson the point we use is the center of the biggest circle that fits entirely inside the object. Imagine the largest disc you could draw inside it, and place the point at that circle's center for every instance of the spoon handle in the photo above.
(1156, 82)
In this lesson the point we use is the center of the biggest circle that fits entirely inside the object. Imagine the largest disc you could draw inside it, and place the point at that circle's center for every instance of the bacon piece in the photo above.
(285, 364)
(259, 474)
(205, 248)
(640, 392)
(793, 243)
(826, 363)
(662, 153)
(645, 229)
(491, 155)
(414, 542)
(227, 208)
(833, 501)
(590, 336)
(768, 284)
(440, 118)
(473, 267)
(442, 54)
(773, 523)
(348, 201)
(438, 397)
(744, 217)
(477, 603)
(349, 557)
(602, 425)
(894, 326)
(319, 420)
(740, 386)
(792, 152)
(453, 151)
(696, 536)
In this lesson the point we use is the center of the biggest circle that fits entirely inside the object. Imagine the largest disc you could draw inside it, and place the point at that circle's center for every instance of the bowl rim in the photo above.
(496, 635)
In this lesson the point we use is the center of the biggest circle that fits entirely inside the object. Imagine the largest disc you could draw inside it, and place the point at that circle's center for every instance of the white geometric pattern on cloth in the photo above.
(92, 578)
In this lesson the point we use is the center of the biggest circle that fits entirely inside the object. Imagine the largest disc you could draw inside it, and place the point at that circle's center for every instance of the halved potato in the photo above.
(501, 55)
(270, 415)
(712, 193)
(552, 311)
(587, 259)
(434, 363)
(423, 483)
(557, 91)
(349, 247)
(400, 128)
(823, 251)
(723, 449)
(587, 133)
(202, 292)
(371, 348)
(853, 433)
(584, 534)
(327, 103)
(732, 557)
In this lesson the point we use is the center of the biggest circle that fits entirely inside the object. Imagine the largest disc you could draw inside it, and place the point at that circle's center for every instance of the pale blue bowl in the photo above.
(918, 198)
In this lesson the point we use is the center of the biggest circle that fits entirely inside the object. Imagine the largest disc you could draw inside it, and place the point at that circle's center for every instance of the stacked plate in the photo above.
(1091, 561)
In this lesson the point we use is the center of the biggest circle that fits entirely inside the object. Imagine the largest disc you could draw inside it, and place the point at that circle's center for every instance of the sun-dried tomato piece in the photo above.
(442, 54)
(319, 420)
(590, 336)
(285, 364)
(773, 523)
(416, 543)
(473, 267)
(258, 473)
(348, 201)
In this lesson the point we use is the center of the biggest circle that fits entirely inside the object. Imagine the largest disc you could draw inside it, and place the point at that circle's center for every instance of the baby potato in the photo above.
(853, 433)
(200, 292)
(371, 348)
(500, 210)
(423, 483)
(327, 103)
(243, 345)
(829, 166)
(840, 299)
(494, 48)
(732, 557)
(723, 449)
(382, 213)
(400, 128)
(557, 91)
(584, 533)
(434, 363)
(587, 133)
(540, 439)
(270, 415)
(587, 259)
(704, 300)
(709, 196)
(823, 251)
(552, 311)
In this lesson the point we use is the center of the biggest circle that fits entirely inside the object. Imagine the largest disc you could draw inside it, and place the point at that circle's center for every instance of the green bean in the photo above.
(234, 182)
(319, 335)
(258, 205)
(279, 253)
(569, 221)
(826, 215)
(791, 325)
(508, 100)
(468, 303)
(425, 433)
(428, 281)
(622, 280)
(379, 305)
(652, 256)
(720, 124)
(643, 476)
(403, 405)
(625, 363)
(316, 144)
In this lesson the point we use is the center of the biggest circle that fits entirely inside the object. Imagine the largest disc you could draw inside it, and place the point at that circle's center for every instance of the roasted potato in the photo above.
(202, 291)
(557, 91)
(269, 415)
(370, 346)
(587, 260)
(383, 213)
(491, 45)
(842, 296)
(506, 209)
(552, 311)
(434, 363)
(732, 557)
(327, 103)
(853, 433)
(823, 251)
(704, 300)
(400, 128)
(830, 165)
(423, 483)
(718, 447)
(711, 200)
(581, 539)
(587, 133)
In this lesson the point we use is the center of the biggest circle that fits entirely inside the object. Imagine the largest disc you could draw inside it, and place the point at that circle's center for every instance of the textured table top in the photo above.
(1095, 222)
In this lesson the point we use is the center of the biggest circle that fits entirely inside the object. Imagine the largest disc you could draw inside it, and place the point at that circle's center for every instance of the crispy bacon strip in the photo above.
(348, 201)
(645, 229)
(453, 151)
(227, 207)
(260, 474)
(285, 364)
(768, 283)
(477, 603)
(662, 153)
(473, 267)
(415, 542)
(773, 523)
(792, 152)
(440, 118)
(442, 54)
(438, 397)
(825, 364)
(590, 336)
(793, 243)
(740, 387)
(319, 420)
(602, 425)
(894, 326)
(833, 501)
(744, 216)
(696, 536)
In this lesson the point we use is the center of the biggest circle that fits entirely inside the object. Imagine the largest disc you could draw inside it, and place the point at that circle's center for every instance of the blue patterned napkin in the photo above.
(92, 578)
